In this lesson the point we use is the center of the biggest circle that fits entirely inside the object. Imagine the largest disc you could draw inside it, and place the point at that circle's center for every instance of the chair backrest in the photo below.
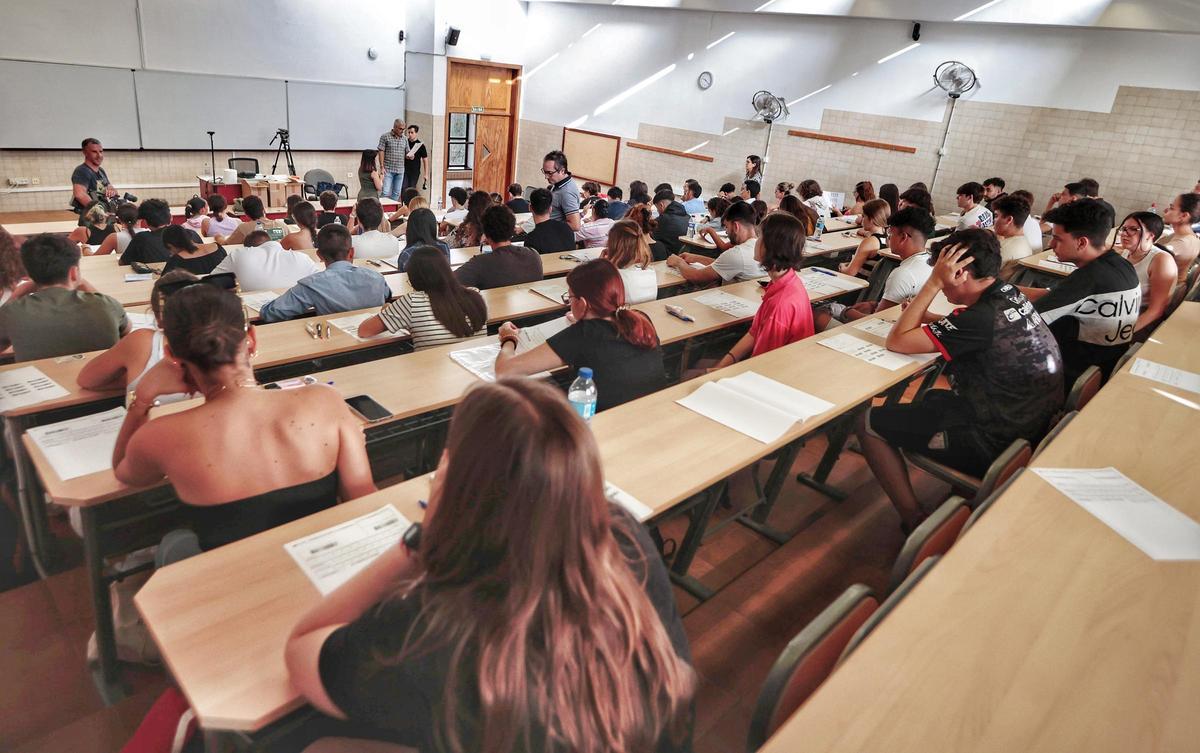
(247, 167)
(317, 175)
(1084, 389)
(889, 604)
(1054, 432)
(1013, 459)
(808, 659)
(983, 506)
(1124, 359)
(932, 538)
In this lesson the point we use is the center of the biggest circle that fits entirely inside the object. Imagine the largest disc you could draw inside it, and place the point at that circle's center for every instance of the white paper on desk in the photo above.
(833, 280)
(480, 361)
(872, 353)
(140, 320)
(756, 406)
(878, 327)
(735, 306)
(81, 445)
(585, 254)
(529, 338)
(27, 385)
(1144, 520)
(331, 557)
(1057, 266)
(349, 325)
(677, 273)
(550, 290)
(256, 300)
(817, 245)
(136, 277)
(632, 504)
(1160, 372)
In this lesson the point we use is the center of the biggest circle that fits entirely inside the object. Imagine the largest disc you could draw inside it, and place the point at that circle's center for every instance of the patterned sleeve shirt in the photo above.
(393, 148)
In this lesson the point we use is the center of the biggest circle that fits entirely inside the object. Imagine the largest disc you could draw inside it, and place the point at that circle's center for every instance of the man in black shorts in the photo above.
(1004, 366)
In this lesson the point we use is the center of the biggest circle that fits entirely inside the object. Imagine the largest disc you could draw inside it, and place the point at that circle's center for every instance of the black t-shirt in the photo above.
(412, 165)
(551, 237)
(518, 205)
(622, 371)
(507, 265)
(329, 218)
(94, 181)
(404, 698)
(1003, 360)
(148, 247)
(197, 265)
(1092, 313)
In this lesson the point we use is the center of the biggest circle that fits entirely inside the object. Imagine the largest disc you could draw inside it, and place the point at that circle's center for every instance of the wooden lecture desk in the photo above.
(388, 380)
(1042, 269)
(224, 646)
(1043, 630)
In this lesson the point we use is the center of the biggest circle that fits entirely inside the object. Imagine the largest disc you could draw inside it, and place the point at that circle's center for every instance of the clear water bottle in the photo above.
(820, 226)
(582, 394)
(691, 228)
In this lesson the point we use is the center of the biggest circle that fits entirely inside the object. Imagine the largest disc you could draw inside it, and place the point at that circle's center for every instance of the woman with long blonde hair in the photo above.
(528, 613)
(629, 251)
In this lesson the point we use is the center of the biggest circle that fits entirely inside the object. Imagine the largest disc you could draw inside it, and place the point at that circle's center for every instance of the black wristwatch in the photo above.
(412, 538)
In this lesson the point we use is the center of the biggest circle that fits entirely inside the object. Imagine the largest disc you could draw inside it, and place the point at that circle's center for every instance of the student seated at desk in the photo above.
(439, 311)
(458, 205)
(639, 214)
(516, 199)
(1009, 215)
(306, 220)
(692, 203)
(218, 222)
(974, 213)
(462, 631)
(1183, 242)
(729, 192)
(340, 287)
(908, 230)
(547, 236)
(328, 214)
(1092, 312)
(916, 196)
(786, 314)
(193, 214)
(629, 251)
(1005, 370)
(403, 209)
(812, 195)
(125, 223)
(263, 264)
(469, 232)
(95, 226)
(422, 229)
(673, 221)
(1154, 265)
(257, 220)
(617, 208)
(60, 314)
(716, 207)
(594, 233)
(792, 205)
(874, 217)
(1032, 226)
(310, 447)
(505, 264)
(864, 191)
(736, 263)
(783, 189)
(186, 254)
(148, 247)
(617, 343)
(14, 281)
(371, 242)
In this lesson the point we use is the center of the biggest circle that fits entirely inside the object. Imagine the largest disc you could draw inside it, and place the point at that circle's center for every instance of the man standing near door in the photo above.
(416, 160)
(392, 148)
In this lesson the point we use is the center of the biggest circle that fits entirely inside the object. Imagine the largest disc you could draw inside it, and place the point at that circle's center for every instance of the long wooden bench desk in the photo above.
(225, 646)
(1043, 630)
(1043, 269)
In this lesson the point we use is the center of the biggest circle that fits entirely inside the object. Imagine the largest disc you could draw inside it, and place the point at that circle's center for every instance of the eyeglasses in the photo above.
(549, 172)
(566, 297)
(1127, 230)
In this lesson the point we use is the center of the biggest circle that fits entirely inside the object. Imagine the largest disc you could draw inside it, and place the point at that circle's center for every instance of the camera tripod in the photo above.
(285, 147)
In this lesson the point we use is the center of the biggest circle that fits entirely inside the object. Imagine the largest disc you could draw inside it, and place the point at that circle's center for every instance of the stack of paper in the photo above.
(256, 300)
(1169, 375)
(735, 306)
(756, 406)
(874, 354)
(824, 284)
(349, 325)
(331, 557)
(1052, 262)
(878, 327)
(551, 290)
(81, 445)
(584, 254)
(27, 386)
(529, 338)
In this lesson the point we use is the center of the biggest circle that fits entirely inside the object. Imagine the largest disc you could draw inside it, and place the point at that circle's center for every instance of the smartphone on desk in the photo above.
(366, 407)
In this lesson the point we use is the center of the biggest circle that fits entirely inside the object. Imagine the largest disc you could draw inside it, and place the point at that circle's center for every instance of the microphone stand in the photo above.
(212, 156)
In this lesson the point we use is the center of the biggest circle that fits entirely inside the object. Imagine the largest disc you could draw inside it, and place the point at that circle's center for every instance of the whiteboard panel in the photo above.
(327, 116)
(67, 31)
(177, 109)
(50, 106)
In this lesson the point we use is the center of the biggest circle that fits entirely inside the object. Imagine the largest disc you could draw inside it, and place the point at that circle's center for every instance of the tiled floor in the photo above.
(48, 703)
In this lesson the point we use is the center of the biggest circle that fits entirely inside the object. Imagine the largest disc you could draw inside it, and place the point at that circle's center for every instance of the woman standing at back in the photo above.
(370, 182)
(526, 613)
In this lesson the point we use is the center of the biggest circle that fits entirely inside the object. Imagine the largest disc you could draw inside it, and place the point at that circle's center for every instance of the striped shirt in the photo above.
(414, 313)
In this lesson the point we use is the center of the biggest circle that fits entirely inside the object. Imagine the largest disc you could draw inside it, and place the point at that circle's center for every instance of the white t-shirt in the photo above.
(906, 280)
(455, 216)
(1033, 233)
(979, 216)
(641, 285)
(376, 245)
(1014, 248)
(267, 267)
(738, 264)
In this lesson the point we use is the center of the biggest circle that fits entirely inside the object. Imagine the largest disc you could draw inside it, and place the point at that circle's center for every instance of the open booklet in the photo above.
(755, 405)
(824, 282)
(349, 325)
(27, 385)
(259, 298)
(872, 353)
(584, 254)
(735, 306)
(552, 290)
(481, 360)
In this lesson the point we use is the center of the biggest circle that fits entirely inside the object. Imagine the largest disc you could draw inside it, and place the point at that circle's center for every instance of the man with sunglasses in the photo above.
(565, 193)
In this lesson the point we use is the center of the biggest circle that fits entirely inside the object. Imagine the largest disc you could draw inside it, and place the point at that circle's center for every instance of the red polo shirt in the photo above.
(785, 315)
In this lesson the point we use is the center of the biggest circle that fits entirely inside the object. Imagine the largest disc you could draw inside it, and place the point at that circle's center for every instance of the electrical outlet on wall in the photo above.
(349, 175)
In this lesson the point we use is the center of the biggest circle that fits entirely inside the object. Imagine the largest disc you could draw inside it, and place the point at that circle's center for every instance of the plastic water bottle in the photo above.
(691, 228)
(820, 225)
(582, 394)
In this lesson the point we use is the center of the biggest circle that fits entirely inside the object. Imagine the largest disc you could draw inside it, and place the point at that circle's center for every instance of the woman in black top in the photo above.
(617, 343)
(527, 614)
(185, 254)
(94, 226)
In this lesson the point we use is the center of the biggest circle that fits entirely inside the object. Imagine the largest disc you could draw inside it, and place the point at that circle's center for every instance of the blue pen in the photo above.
(424, 505)
(824, 271)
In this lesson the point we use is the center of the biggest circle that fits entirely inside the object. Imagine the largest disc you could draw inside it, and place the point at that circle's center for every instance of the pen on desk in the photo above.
(311, 332)
(328, 330)
(824, 271)
(677, 312)
(423, 503)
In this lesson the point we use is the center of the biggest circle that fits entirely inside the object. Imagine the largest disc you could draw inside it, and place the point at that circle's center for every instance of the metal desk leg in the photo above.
(700, 515)
(33, 510)
(107, 675)
(757, 520)
(836, 436)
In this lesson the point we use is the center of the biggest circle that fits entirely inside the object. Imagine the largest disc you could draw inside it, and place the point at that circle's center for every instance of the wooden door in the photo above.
(491, 153)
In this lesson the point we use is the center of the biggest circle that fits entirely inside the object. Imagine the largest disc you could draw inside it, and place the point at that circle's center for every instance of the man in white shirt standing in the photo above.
(908, 231)
(736, 263)
(974, 214)
(263, 264)
(1010, 216)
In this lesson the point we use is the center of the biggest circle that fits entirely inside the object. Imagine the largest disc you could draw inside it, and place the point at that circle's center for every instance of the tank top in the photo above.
(217, 525)
(1143, 272)
(156, 355)
(222, 227)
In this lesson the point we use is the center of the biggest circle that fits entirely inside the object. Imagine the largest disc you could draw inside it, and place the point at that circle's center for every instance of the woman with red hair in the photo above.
(616, 342)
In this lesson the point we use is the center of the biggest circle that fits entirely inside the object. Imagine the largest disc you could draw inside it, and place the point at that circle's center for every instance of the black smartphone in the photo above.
(365, 406)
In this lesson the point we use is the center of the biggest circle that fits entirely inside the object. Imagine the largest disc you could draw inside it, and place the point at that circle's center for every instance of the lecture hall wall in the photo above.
(275, 39)
(1054, 103)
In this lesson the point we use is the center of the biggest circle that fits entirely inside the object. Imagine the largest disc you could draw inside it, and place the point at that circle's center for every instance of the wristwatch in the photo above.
(412, 538)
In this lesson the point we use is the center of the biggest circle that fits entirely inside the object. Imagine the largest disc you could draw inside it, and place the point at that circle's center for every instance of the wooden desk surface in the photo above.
(225, 646)
(837, 224)
(832, 243)
(1043, 263)
(1042, 630)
